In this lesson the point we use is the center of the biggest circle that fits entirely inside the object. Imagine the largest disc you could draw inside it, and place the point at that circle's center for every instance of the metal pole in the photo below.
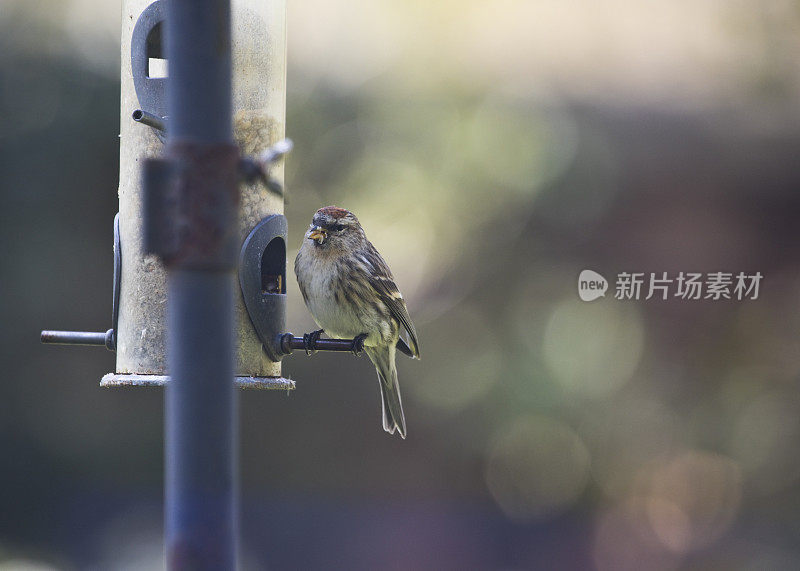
(201, 486)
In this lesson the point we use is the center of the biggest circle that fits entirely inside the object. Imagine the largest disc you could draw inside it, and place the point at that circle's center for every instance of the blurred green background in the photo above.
(492, 150)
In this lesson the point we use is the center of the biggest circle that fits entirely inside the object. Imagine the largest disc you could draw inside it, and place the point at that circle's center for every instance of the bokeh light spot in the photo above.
(623, 436)
(692, 499)
(764, 440)
(593, 349)
(624, 542)
(536, 467)
(522, 150)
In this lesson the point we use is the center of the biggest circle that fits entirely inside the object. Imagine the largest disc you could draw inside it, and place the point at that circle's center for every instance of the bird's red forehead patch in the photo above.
(333, 212)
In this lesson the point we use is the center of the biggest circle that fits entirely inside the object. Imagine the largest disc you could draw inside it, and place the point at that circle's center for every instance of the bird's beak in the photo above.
(317, 234)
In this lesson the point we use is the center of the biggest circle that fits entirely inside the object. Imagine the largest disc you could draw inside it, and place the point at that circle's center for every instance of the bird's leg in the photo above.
(310, 341)
(358, 344)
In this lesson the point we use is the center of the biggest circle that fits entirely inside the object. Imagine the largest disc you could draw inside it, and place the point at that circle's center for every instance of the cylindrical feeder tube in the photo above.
(258, 34)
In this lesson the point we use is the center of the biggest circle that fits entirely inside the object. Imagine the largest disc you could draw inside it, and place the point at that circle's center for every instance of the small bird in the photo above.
(350, 292)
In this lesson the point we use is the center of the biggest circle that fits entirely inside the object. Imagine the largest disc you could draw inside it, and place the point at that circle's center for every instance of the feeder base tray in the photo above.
(129, 380)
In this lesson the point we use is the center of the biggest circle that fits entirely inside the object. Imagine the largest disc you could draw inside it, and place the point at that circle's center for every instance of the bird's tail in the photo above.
(393, 417)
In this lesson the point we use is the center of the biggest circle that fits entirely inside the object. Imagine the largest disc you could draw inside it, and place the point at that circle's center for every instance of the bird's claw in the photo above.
(358, 344)
(310, 341)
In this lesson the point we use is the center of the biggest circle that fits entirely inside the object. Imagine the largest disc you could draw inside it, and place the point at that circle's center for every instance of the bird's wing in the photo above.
(403, 347)
(381, 280)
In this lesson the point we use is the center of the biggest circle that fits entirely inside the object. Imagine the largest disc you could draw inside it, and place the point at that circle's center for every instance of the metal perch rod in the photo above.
(104, 338)
(289, 343)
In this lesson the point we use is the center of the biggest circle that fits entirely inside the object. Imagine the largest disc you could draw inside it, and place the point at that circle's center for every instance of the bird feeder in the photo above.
(138, 333)
(148, 226)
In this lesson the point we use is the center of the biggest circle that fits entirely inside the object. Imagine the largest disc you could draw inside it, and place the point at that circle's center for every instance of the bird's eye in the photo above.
(338, 227)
